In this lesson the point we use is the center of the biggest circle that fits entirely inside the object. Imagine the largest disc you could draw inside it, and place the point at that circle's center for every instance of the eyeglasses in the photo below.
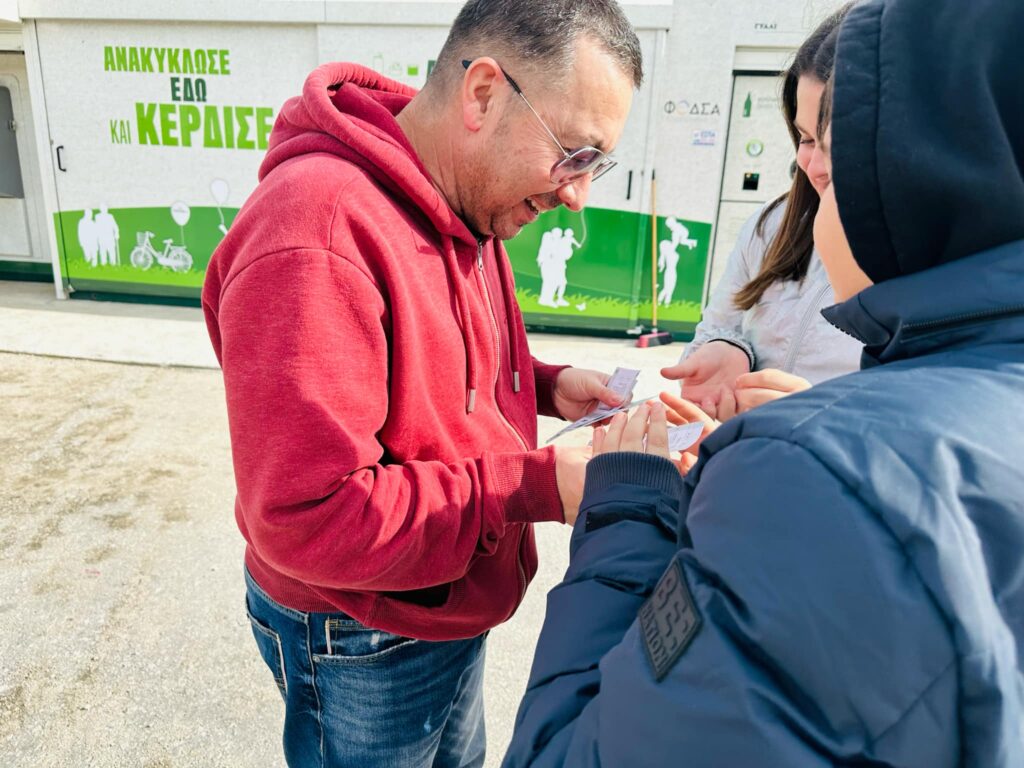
(573, 165)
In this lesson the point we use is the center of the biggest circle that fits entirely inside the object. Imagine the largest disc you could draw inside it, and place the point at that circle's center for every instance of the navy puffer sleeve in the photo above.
(624, 536)
(817, 642)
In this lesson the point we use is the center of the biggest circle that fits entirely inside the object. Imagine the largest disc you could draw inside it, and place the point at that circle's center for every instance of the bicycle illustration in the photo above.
(174, 257)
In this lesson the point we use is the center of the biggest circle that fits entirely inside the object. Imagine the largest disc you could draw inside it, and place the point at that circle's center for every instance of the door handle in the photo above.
(60, 159)
(629, 185)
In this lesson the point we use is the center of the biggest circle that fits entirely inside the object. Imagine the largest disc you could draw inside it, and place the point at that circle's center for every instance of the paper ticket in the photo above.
(621, 383)
(682, 437)
(599, 415)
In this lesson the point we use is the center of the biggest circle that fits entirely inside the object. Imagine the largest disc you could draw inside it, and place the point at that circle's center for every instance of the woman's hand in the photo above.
(708, 376)
(760, 387)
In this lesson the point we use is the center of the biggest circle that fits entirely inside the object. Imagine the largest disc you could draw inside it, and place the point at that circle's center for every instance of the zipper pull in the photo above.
(480, 257)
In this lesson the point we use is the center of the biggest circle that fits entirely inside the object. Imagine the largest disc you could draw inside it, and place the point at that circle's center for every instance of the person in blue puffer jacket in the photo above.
(839, 580)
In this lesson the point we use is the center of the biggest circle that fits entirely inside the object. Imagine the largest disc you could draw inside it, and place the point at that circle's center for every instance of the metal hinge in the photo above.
(12, 124)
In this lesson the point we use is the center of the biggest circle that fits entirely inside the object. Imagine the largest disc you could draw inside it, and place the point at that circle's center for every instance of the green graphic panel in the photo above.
(114, 248)
(588, 271)
(602, 279)
(681, 311)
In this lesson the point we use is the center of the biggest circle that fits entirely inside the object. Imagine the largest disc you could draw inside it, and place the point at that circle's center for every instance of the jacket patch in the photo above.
(669, 620)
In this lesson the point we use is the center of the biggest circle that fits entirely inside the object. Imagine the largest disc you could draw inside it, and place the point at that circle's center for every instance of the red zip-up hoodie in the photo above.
(381, 397)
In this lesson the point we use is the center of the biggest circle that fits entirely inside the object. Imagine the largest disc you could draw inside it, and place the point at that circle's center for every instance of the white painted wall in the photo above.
(82, 98)
(703, 44)
(679, 126)
(9, 11)
(643, 13)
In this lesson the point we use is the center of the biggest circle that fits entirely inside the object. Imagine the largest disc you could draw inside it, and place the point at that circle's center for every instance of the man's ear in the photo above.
(480, 87)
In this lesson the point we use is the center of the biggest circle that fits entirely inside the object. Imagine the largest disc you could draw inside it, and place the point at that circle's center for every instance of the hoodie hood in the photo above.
(928, 131)
(349, 111)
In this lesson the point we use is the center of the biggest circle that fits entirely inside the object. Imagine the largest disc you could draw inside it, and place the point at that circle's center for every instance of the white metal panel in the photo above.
(268, 64)
(731, 218)
(762, 59)
(759, 154)
(44, 157)
(258, 11)
(759, 162)
(401, 52)
(10, 37)
(706, 45)
(644, 14)
(627, 186)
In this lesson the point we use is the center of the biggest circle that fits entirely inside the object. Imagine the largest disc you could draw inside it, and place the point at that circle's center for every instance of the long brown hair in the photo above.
(789, 253)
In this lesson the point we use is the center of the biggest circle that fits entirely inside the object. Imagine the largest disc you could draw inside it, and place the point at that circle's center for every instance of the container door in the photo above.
(20, 192)
(759, 162)
(157, 132)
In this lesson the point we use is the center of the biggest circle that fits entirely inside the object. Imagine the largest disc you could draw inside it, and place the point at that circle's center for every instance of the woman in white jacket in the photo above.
(762, 335)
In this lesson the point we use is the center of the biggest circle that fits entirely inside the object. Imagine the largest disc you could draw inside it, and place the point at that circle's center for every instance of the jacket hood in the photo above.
(928, 131)
(349, 111)
(982, 302)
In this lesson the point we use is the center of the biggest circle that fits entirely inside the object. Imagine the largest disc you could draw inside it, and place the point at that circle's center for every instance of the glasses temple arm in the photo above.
(518, 90)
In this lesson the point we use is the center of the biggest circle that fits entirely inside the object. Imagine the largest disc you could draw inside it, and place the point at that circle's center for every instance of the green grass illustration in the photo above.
(608, 307)
(123, 273)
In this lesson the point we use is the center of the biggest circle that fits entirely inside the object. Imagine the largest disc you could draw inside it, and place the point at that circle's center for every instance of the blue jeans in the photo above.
(355, 696)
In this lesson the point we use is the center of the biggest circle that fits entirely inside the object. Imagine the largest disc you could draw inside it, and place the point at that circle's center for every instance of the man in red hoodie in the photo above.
(381, 396)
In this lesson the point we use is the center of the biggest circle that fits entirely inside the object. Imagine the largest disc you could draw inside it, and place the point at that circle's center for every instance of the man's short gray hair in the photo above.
(540, 35)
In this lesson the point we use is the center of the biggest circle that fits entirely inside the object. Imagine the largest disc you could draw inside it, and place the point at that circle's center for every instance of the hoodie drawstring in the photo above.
(505, 277)
(462, 300)
(464, 320)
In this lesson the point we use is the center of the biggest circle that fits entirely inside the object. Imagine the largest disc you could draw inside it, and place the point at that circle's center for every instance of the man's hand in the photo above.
(709, 375)
(760, 387)
(570, 473)
(578, 392)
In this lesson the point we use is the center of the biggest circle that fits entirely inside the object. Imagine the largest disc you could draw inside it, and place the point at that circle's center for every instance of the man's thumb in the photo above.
(608, 396)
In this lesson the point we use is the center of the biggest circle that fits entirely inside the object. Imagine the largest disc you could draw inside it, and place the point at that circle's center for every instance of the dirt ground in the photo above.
(124, 640)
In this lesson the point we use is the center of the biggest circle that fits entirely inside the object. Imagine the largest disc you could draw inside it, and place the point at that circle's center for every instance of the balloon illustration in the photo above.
(220, 191)
(181, 213)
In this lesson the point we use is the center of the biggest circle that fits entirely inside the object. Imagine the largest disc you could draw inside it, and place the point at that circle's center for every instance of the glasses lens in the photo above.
(603, 167)
(578, 164)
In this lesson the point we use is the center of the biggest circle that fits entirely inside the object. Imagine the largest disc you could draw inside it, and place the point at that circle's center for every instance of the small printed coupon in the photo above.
(682, 437)
(621, 383)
